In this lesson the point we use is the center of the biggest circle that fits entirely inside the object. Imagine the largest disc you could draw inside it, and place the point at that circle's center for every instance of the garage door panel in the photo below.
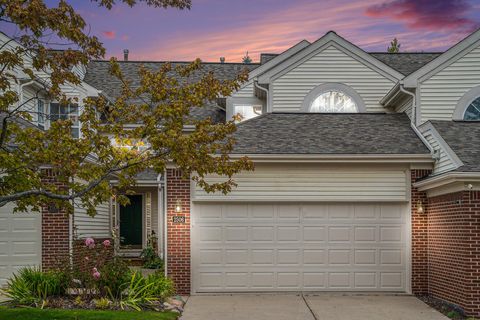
(20, 241)
(295, 246)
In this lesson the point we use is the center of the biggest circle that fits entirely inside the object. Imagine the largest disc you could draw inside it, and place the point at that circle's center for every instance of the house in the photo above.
(367, 179)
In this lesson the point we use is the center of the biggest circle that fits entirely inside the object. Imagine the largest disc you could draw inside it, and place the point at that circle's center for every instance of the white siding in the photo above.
(329, 65)
(97, 226)
(314, 183)
(445, 163)
(440, 93)
(245, 92)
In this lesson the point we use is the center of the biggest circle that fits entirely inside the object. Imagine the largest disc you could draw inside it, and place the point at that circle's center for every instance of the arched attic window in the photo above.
(468, 107)
(333, 98)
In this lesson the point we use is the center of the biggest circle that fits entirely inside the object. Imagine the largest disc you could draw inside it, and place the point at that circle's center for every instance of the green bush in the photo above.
(162, 287)
(31, 286)
(144, 292)
(114, 278)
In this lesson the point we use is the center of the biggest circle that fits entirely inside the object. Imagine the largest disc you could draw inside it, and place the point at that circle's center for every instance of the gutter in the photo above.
(440, 180)
(414, 105)
(354, 158)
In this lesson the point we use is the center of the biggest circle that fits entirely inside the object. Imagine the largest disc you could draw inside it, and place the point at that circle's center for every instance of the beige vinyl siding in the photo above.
(309, 182)
(97, 226)
(445, 163)
(329, 65)
(245, 92)
(440, 93)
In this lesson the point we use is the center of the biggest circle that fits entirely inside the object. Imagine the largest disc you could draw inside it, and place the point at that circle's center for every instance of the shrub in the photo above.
(151, 260)
(162, 287)
(102, 303)
(31, 286)
(114, 278)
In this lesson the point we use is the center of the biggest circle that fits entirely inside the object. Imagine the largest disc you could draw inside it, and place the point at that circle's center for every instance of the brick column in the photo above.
(419, 236)
(178, 233)
(55, 232)
(454, 250)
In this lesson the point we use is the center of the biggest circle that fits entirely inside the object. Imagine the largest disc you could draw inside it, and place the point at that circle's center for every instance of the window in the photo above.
(64, 112)
(247, 111)
(333, 98)
(473, 111)
(333, 101)
(41, 114)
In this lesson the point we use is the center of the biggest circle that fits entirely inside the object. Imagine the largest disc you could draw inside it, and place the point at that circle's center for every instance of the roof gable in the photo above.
(330, 39)
(448, 57)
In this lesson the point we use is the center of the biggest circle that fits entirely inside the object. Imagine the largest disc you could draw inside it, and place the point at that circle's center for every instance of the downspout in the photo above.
(413, 122)
(255, 83)
(414, 105)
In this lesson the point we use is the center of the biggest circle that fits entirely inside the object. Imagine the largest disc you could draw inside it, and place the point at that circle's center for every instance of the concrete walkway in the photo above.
(309, 307)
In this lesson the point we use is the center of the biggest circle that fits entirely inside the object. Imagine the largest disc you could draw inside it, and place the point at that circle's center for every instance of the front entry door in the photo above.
(131, 230)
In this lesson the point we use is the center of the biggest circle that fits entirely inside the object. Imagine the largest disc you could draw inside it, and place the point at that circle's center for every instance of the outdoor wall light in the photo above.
(178, 206)
(420, 208)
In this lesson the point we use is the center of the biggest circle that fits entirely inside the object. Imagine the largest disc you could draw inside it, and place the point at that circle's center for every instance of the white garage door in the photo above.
(20, 241)
(299, 247)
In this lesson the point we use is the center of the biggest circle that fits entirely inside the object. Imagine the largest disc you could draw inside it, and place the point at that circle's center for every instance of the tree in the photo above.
(85, 165)
(246, 58)
(394, 46)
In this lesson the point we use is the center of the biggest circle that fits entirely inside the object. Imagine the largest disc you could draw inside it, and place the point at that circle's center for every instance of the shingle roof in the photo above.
(463, 137)
(99, 77)
(323, 133)
(406, 62)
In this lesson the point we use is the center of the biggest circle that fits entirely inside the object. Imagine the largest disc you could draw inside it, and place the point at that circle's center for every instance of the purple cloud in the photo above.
(449, 15)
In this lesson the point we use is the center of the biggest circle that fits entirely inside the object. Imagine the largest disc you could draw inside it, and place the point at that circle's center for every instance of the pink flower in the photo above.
(90, 243)
(95, 274)
(106, 243)
(87, 258)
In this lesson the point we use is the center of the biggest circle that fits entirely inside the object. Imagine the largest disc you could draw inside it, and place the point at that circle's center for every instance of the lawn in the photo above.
(57, 314)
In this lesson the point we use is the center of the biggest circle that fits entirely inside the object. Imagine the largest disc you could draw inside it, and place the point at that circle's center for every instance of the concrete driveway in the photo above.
(308, 307)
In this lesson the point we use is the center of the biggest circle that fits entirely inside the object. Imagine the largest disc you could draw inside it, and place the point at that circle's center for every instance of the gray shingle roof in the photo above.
(463, 137)
(405, 62)
(99, 77)
(324, 133)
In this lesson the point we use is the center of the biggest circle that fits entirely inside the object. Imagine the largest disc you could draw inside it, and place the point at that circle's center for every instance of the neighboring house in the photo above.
(367, 178)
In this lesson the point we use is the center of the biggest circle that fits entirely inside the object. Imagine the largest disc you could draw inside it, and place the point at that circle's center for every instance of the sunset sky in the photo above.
(229, 28)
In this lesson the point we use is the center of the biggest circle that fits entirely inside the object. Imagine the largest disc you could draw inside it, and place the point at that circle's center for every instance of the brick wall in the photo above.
(55, 232)
(454, 249)
(419, 236)
(178, 234)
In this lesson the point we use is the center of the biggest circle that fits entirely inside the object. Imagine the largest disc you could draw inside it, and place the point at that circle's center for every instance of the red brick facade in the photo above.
(419, 236)
(454, 249)
(55, 232)
(178, 233)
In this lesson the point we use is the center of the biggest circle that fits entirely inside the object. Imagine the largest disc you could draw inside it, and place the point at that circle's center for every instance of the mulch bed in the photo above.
(451, 311)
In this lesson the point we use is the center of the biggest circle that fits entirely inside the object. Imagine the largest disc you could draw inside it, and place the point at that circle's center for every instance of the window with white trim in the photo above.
(333, 101)
(246, 112)
(41, 113)
(472, 113)
(63, 112)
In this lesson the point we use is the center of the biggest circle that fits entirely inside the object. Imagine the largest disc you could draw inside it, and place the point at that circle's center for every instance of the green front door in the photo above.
(131, 231)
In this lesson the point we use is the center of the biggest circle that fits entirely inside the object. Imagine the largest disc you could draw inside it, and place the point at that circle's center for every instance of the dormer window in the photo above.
(333, 101)
(333, 98)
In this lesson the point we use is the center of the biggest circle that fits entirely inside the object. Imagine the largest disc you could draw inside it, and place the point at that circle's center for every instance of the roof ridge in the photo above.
(174, 61)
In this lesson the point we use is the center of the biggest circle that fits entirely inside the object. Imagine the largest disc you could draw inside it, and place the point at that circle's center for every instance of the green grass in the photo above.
(58, 314)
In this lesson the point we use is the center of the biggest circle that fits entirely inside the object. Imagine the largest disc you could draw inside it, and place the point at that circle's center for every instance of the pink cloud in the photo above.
(427, 14)
(109, 34)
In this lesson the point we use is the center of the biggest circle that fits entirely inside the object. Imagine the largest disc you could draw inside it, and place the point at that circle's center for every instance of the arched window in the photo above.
(333, 98)
(333, 101)
(473, 110)
(468, 107)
